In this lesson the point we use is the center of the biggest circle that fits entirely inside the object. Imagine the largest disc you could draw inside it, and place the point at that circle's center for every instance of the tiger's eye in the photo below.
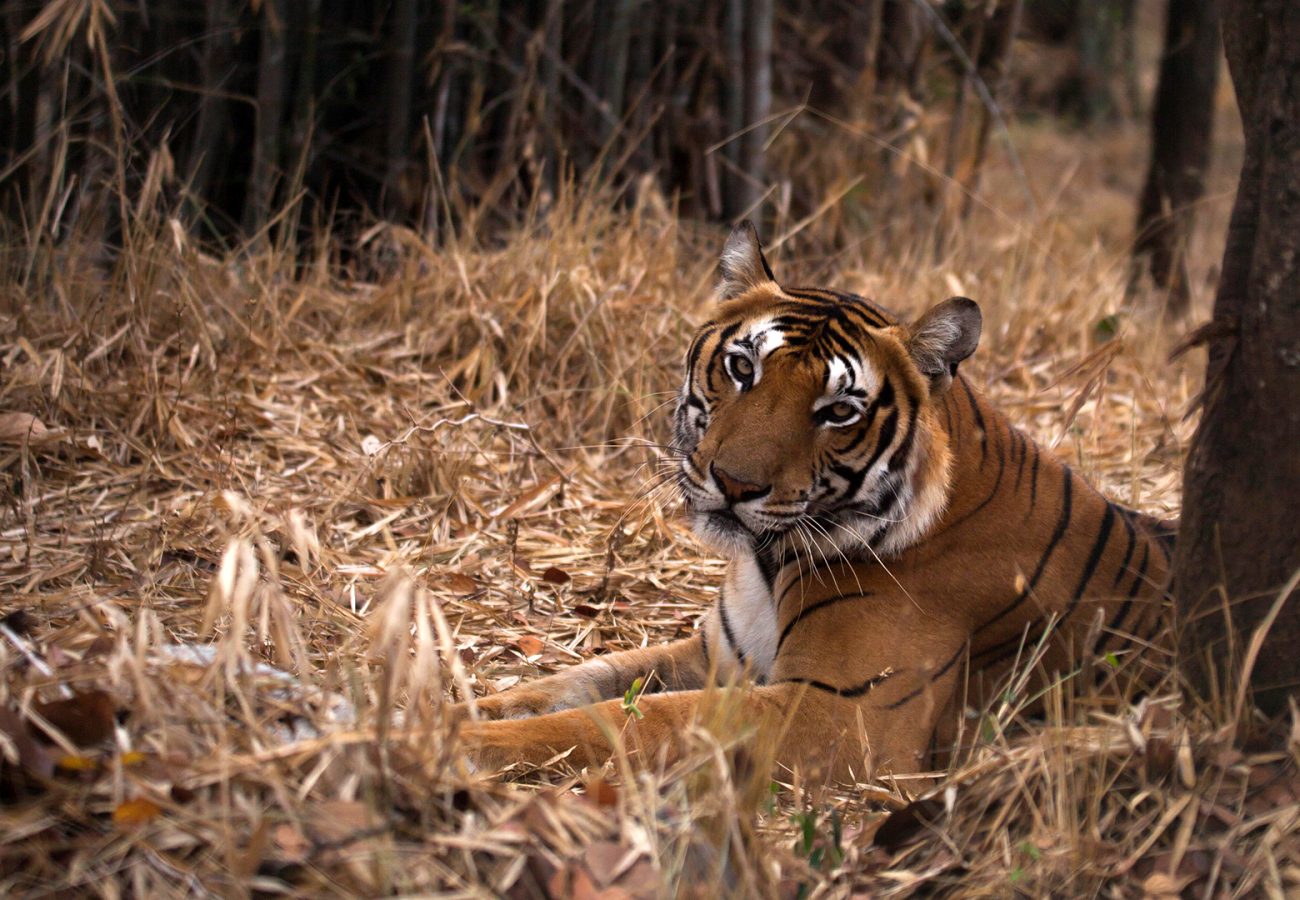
(839, 412)
(742, 367)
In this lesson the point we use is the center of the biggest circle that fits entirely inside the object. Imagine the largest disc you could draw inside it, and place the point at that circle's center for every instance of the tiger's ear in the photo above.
(947, 334)
(743, 266)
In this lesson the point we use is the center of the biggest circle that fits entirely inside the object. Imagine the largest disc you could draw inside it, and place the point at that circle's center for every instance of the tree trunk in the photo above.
(1238, 542)
(1182, 122)
(401, 80)
(749, 102)
(272, 87)
(216, 70)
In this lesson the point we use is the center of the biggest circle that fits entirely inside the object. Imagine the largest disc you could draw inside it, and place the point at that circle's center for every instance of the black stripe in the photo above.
(1010, 646)
(693, 356)
(855, 476)
(1094, 558)
(997, 483)
(933, 678)
(1059, 533)
(856, 691)
(726, 629)
(887, 432)
(979, 420)
(1118, 622)
(768, 566)
(1033, 482)
(1128, 550)
(863, 431)
(719, 348)
(704, 648)
(900, 457)
(809, 610)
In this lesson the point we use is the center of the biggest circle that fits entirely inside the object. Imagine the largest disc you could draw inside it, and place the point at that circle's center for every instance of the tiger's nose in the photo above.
(735, 489)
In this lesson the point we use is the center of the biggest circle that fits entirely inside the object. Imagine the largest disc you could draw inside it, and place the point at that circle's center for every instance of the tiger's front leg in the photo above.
(678, 666)
(822, 735)
(831, 715)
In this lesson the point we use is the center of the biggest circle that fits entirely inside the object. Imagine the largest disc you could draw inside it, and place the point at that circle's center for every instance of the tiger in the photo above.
(892, 541)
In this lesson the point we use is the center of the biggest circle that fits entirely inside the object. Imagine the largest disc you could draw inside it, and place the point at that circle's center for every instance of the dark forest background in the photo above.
(416, 110)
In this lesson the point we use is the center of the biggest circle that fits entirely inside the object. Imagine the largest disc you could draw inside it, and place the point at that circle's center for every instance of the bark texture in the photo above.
(1240, 537)
(1182, 125)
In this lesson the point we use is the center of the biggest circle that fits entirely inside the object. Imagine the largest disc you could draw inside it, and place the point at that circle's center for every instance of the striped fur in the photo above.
(892, 538)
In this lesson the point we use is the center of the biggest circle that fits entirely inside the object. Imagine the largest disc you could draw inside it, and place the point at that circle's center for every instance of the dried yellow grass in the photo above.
(369, 494)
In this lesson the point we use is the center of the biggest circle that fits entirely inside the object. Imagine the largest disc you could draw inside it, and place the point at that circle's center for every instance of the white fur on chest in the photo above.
(747, 617)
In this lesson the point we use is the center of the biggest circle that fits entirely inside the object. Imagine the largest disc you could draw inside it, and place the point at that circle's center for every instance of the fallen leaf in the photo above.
(529, 645)
(1162, 886)
(291, 842)
(602, 793)
(86, 718)
(136, 811)
(460, 584)
(339, 821)
(607, 861)
(555, 575)
(69, 763)
(17, 427)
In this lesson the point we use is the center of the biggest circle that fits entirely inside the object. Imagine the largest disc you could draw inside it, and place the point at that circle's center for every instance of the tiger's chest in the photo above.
(743, 625)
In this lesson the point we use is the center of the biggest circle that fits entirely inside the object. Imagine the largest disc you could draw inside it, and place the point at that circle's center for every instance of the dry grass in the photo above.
(366, 495)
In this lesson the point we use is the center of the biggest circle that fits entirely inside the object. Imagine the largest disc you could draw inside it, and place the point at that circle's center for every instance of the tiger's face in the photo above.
(807, 416)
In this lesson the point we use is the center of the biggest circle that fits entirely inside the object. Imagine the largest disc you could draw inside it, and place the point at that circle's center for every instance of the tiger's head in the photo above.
(810, 416)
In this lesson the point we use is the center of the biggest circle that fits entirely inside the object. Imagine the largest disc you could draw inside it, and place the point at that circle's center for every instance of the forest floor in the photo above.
(260, 519)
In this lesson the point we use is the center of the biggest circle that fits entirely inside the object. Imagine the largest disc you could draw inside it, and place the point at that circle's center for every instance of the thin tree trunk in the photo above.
(1182, 123)
(957, 124)
(216, 68)
(733, 106)
(615, 81)
(442, 79)
(748, 98)
(1239, 542)
(874, 25)
(272, 85)
(758, 100)
(401, 80)
(995, 73)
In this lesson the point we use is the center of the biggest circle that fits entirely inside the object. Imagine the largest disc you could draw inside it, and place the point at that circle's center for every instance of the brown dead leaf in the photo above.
(602, 793)
(338, 821)
(555, 575)
(530, 645)
(76, 764)
(460, 584)
(608, 860)
(291, 843)
(19, 427)
(136, 811)
(1162, 886)
(86, 718)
